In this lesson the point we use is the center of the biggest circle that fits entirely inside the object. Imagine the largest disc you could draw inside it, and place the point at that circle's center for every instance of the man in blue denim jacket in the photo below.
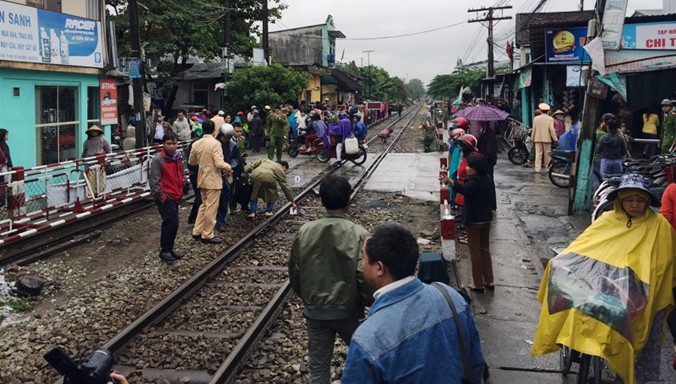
(409, 335)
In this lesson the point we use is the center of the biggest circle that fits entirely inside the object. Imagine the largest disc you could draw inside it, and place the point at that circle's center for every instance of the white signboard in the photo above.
(38, 36)
(613, 21)
(653, 36)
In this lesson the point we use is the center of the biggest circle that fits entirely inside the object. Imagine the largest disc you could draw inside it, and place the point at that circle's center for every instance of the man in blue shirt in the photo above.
(409, 335)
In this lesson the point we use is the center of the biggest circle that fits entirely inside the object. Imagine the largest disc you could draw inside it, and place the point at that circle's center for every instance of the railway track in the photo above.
(43, 244)
(205, 329)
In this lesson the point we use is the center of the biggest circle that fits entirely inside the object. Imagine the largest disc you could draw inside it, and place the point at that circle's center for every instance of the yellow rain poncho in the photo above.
(600, 294)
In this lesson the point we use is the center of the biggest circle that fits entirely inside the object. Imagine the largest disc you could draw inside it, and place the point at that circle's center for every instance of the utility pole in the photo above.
(137, 83)
(489, 16)
(265, 41)
(227, 37)
(368, 60)
(368, 56)
(581, 185)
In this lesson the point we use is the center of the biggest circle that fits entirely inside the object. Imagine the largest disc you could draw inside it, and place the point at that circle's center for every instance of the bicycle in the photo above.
(568, 356)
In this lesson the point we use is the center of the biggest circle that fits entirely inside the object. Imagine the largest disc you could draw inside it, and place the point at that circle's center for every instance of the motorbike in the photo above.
(560, 167)
(327, 150)
(518, 154)
(310, 149)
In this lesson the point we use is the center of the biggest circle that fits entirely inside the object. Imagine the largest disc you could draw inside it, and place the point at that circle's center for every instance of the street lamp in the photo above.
(368, 78)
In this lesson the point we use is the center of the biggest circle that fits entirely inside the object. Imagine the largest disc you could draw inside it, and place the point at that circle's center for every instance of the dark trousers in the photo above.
(321, 339)
(478, 241)
(169, 213)
(222, 213)
(198, 199)
(671, 321)
(255, 142)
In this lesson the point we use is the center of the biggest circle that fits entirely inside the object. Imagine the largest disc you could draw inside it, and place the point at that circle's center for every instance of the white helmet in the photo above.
(227, 130)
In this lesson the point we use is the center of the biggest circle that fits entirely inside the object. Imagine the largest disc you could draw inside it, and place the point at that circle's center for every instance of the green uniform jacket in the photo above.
(278, 126)
(325, 268)
(265, 175)
(668, 133)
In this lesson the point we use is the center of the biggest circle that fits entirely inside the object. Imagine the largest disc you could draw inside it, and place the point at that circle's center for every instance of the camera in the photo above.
(95, 370)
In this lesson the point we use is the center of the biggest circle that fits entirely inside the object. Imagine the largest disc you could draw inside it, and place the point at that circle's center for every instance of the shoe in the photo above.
(476, 289)
(490, 287)
(462, 239)
(167, 257)
(196, 237)
(191, 222)
(221, 227)
(213, 240)
(251, 216)
(269, 214)
(176, 255)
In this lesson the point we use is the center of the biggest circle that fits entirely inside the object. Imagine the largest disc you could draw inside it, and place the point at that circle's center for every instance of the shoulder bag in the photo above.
(461, 340)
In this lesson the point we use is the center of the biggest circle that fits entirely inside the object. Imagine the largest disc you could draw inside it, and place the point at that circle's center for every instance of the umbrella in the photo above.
(483, 113)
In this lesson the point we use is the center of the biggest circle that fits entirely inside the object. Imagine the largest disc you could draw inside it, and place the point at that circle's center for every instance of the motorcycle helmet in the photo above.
(457, 133)
(227, 130)
(461, 122)
(468, 141)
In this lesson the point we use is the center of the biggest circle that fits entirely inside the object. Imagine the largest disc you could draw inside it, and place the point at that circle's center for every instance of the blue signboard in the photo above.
(565, 45)
(38, 36)
(135, 68)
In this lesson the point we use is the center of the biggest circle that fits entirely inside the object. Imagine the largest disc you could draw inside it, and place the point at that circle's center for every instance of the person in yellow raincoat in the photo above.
(608, 294)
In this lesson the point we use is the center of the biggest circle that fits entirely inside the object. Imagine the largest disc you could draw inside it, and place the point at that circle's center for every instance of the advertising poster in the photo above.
(653, 36)
(108, 101)
(565, 45)
(38, 36)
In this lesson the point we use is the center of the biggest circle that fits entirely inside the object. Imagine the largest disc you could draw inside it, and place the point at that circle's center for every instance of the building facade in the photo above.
(53, 55)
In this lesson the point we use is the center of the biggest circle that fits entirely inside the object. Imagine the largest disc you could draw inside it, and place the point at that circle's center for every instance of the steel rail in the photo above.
(228, 370)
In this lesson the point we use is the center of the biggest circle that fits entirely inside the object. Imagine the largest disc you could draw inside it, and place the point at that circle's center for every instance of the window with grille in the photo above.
(57, 123)
(93, 106)
(200, 93)
(52, 5)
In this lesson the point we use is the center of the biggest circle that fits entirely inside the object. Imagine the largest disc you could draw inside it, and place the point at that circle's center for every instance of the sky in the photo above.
(419, 55)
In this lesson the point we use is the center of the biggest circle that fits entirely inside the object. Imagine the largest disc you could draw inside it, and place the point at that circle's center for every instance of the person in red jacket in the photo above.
(668, 210)
(166, 187)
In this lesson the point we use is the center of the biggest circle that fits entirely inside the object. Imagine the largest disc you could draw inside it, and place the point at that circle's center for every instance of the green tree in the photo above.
(173, 31)
(416, 89)
(448, 86)
(263, 85)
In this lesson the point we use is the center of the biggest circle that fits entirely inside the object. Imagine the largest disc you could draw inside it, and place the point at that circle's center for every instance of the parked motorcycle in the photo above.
(560, 167)
(294, 148)
(518, 154)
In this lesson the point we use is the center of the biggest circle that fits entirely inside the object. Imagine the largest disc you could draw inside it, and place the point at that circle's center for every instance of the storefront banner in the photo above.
(565, 45)
(613, 21)
(639, 61)
(574, 76)
(655, 36)
(108, 102)
(34, 35)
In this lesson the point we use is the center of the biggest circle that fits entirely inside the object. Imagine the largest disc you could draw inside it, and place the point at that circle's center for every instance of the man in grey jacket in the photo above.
(325, 272)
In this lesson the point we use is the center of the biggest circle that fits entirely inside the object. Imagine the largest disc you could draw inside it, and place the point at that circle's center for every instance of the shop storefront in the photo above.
(50, 69)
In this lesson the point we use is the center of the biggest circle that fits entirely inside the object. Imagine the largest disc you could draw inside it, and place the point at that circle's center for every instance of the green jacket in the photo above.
(278, 126)
(265, 175)
(325, 268)
(668, 133)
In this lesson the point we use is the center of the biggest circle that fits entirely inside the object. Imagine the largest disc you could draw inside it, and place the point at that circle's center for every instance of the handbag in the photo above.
(461, 339)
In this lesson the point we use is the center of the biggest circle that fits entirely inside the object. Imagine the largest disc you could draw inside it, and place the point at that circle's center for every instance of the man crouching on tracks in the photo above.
(325, 272)
(411, 325)
(166, 186)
